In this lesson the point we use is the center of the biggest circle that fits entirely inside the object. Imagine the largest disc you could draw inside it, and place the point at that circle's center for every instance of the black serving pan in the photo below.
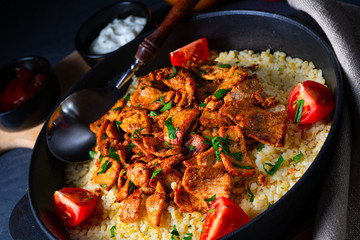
(225, 31)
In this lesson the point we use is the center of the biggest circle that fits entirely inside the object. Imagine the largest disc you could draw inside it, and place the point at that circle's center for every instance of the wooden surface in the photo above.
(68, 71)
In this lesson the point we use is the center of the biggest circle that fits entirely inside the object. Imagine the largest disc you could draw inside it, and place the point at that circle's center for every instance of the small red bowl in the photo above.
(34, 110)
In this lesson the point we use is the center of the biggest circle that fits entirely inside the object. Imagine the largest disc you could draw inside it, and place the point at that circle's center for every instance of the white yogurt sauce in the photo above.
(116, 34)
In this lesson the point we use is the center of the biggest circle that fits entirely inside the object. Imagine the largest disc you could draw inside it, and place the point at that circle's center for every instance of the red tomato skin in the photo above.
(226, 218)
(318, 102)
(191, 53)
(74, 205)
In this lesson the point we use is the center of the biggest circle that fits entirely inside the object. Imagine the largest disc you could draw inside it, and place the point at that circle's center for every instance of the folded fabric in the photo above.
(338, 214)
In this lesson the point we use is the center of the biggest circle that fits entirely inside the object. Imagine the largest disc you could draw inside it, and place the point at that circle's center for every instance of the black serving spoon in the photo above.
(67, 134)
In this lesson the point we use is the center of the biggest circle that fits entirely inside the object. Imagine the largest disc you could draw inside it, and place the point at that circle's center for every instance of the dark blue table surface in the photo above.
(48, 28)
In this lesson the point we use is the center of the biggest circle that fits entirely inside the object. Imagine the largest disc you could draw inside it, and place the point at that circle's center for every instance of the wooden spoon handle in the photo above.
(151, 45)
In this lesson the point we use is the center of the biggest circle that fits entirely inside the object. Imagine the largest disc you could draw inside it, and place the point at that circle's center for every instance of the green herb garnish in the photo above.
(167, 106)
(221, 92)
(260, 147)
(239, 166)
(192, 148)
(175, 233)
(104, 167)
(130, 146)
(299, 109)
(113, 154)
(167, 144)
(210, 199)
(201, 73)
(211, 210)
(92, 154)
(172, 75)
(298, 156)
(251, 194)
(156, 172)
(118, 125)
(275, 167)
(132, 187)
(104, 136)
(217, 143)
(188, 236)
(135, 134)
(202, 104)
(127, 98)
(112, 231)
(153, 114)
(170, 128)
(224, 65)
(117, 108)
(237, 156)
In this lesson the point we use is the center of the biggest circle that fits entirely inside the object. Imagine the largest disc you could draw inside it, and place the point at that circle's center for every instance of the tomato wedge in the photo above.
(74, 205)
(316, 99)
(191, 53)
(224, 217)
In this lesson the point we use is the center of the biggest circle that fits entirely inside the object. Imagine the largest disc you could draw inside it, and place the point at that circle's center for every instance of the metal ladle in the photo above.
(67, 134)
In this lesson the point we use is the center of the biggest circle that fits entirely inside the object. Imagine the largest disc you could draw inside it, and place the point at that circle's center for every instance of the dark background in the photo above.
(48, 28)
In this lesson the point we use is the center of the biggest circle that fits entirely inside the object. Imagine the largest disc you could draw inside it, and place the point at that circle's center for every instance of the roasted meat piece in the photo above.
(167, 176)
(149, 97)
(183, 82)
(266, 127)
(204, 182)
(130, 208)
(139, 174)
(186, 201)
(135, 119)
(107, 174)
(251, 89)
(207, 158)
(210, 116)
(155, 205)
(195, 145)
(237, 161)
(177, 123)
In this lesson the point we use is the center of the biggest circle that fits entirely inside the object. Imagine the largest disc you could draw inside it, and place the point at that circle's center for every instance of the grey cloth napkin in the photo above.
(338, 214)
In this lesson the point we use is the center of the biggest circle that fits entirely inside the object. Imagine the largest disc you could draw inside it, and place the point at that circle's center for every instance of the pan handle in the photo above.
(151, 45)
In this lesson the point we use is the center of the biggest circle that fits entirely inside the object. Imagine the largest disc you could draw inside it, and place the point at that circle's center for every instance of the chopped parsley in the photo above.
(251, 194)
(112, 231)
(170, 128)
(201, 73)
(92, 154)
(224, 65)
(202, 104)
(192, 148)
(172, 75)
(217, 143)
(118, 125)
(221, 92)
(135, 134)
(274, 167)
(104, 167)
(167, 144)
(153, 114)
(130, 146)
(210, 199)
(175, 233)
(188, 63)
(269, 205)
(132, 187)
(127, 98)
(104, 136)
(279, 69)
(299, 109)
(297, 157)
(117, 108)
(124, 172)
(188, 236)
(237, 156)
(103, 185)
(156, 172)
(113, 154)
(239, 166)
(166, 106)
(260, 147)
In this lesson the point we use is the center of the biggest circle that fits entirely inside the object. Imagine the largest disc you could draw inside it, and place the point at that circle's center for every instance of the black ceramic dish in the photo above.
(224, 30)
(91, 28)
(36, 108)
